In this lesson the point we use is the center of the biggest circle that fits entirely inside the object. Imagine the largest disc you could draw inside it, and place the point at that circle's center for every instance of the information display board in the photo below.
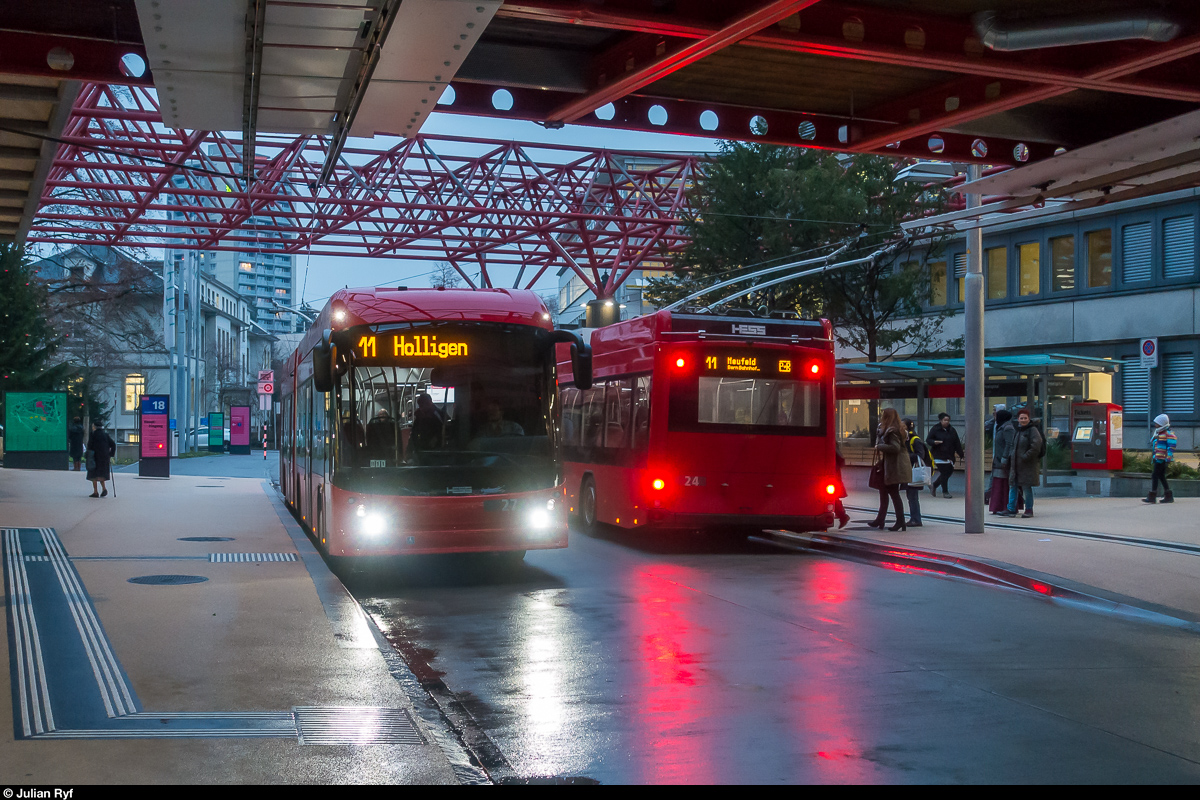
(154, 429)
(216, 432)
(239, 430)
(35, 430)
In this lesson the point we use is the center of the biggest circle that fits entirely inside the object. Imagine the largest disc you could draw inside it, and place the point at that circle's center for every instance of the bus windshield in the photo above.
(448, 410)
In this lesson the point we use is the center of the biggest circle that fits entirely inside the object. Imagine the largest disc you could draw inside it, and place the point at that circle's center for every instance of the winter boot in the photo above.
(1168, 497)
(1150, 499)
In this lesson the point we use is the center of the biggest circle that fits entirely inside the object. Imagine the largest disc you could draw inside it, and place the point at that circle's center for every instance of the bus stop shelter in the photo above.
(926, 379)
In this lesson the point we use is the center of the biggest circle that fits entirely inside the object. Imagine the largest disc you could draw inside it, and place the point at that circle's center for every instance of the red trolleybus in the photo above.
(698, 421)
(424, 421)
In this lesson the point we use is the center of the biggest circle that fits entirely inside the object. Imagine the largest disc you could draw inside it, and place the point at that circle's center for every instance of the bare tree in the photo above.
(445, 276)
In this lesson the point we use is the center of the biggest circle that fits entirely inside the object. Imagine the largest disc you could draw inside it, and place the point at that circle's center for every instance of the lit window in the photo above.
(1030, 261)
(135, 387)
(1062, 263)
(997, 272)
(245, 266)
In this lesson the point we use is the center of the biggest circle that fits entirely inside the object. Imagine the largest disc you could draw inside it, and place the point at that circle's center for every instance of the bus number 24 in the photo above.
(693, 480)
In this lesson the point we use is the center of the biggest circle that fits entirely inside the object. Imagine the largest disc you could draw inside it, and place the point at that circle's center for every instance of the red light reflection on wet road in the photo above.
(825, 714)
(672, 648)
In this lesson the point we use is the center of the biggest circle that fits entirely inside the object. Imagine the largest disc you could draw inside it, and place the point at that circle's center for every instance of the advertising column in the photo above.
(216, 432)
(239, 430)
(154, 430)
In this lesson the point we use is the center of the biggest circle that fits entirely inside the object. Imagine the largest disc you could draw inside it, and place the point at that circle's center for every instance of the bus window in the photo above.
(571, 417)
(641, 414)
(593, 416)
(768, 404)
(617, 412)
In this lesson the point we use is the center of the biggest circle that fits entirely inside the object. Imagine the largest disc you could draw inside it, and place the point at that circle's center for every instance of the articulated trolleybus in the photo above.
(700, 421)
(425, 421)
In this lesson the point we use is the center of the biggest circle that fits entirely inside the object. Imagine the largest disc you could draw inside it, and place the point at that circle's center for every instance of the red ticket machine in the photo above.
(1097, 435)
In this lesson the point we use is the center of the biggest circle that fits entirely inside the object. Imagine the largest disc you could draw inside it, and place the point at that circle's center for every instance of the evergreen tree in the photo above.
(27, 341)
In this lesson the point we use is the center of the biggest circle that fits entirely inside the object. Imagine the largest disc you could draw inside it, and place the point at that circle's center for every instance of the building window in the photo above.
(1179, 247)
(960, 276)
(1062, 263)
(1135, 253)
(996, 259)
(1099, 258)
(1179, 383)
(245, 266)
(1135, 386)
(1029, 258)
(135, 387)
(937, 280)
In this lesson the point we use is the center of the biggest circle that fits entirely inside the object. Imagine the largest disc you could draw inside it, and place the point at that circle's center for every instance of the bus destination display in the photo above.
(745, 363)
(392, 346)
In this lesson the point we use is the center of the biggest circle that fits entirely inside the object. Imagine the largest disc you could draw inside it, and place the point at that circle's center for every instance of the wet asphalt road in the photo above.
(716, 661)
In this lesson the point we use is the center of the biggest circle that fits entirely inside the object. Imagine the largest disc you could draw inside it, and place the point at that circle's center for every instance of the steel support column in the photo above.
(973, 376)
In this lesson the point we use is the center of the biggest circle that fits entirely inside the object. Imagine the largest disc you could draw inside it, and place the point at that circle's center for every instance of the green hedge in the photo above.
(1141, 462)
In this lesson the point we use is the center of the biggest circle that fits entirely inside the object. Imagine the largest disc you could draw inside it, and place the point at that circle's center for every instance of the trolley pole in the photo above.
(973, 377)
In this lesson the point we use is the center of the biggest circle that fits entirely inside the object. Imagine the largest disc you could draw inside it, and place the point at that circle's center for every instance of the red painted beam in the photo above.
(888, 39)
(969, 112)
(737, 29)
(687, 117)
(77, 59)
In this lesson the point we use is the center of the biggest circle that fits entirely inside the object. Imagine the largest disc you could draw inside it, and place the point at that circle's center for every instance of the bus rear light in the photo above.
(659, 484)
(814, 369)
(830, 488)
(680, 363)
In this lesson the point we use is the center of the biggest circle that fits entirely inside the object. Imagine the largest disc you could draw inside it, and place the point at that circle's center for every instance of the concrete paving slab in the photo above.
(252, 637)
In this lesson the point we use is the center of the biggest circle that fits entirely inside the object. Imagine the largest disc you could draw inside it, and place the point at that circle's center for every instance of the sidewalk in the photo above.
(231, 678)
(1158, 579)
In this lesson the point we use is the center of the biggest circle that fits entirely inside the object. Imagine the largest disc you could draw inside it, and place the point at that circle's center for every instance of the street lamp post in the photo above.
(973, 377)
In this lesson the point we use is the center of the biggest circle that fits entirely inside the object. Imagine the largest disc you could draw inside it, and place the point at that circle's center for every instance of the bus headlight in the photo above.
(539, 519)
(374, 525)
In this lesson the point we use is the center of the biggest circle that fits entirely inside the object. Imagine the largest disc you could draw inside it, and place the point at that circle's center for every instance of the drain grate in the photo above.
(355, 725)
(222, 557)
(205, 539)
(167, 580)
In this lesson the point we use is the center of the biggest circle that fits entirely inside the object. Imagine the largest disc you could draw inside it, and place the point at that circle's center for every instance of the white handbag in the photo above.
(920, 476)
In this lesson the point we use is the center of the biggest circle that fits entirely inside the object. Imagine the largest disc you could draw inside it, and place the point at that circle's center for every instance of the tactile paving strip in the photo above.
(223, 557)
(355, 726)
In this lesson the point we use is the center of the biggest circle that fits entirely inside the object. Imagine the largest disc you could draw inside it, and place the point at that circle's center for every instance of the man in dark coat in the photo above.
(75, 434)
(1024, 464)
(103, 448)
(944, 445)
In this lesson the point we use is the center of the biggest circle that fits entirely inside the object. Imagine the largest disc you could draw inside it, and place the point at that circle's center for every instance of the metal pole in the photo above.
(973, 375)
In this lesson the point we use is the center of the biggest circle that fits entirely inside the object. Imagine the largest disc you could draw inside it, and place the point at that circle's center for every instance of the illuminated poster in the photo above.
(35, 430)
(239, 430)
(216, 431)
(154, 435)
(155, 443)
(35, 422)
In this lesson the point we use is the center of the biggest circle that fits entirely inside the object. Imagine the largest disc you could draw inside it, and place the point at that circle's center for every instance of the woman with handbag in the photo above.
(100, 450)
(891, 469)
(922, 463)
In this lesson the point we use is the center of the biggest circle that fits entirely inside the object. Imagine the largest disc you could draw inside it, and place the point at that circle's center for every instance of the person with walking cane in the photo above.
(100, 451)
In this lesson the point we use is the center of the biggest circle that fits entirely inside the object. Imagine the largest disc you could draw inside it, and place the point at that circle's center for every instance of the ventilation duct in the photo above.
(1065, 31)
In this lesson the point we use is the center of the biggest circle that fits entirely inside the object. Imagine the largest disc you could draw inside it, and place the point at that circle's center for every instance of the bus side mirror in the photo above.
(581, 358)
(322, 359)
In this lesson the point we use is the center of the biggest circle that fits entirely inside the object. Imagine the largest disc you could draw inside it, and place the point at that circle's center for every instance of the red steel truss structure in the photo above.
(122, 178)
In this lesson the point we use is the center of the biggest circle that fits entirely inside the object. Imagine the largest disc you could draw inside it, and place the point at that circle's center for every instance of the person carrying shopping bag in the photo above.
(922, 463)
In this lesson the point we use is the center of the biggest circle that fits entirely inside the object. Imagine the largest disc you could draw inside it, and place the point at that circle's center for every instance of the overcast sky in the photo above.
(317, 277)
